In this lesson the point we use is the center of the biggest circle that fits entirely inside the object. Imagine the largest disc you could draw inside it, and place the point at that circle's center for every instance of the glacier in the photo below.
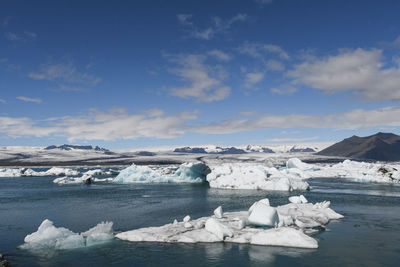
(49, 237)
(292, 224)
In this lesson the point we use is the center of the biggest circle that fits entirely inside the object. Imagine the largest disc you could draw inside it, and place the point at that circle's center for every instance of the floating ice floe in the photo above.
(186, 173)
(24, 172)
(85, 179)
(358, 171)
(249, 176)
(50, 237)
(291, 223)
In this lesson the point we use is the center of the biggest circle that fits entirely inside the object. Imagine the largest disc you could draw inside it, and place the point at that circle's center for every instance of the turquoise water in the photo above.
(369, 235)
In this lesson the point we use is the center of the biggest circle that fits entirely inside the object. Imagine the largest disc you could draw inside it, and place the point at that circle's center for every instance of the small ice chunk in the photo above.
(295, 199)
(263, 215)
(186, 219)
(188, 225)
(303, 199)
(218, 229)
(175, 222)
(218, 212)
(298, 199)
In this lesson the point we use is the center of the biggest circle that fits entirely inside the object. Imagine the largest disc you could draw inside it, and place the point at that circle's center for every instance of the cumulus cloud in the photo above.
(29, 99)
(202, 82)
(350, 120)
(217, 26)
(359, 70)
(112, 125)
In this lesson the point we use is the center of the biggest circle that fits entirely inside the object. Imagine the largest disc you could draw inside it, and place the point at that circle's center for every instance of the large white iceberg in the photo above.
(357, 171)
(186, 173)
(250, 176)
(50, 237)
(293, 222)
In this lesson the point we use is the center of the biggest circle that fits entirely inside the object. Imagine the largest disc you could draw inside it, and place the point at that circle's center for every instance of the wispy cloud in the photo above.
(29, 99)
(258, 50)
(217, 26)
(359, 70)
(264, 2)
(202, 82)
(2, 101)
(112, 125)
(253, 78)
(285, 89)
(23, 37)
(66, 76)
(350, 120)
(292, 139)
(220, 55)
(6, 21)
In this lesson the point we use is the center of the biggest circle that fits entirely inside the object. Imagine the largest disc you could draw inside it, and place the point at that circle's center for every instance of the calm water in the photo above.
(369, 235)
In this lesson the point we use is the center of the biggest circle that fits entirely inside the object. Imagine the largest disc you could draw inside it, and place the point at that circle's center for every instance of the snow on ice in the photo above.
(291, 223)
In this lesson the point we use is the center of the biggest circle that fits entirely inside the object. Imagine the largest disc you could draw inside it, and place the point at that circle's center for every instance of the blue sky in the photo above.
(125, 74)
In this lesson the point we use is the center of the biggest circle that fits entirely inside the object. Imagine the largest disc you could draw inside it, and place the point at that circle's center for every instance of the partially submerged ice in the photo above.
(293, 176)
(84, 179)
(186, 173)
(24, 172)
(49, 236)
(250, 176)
(291, 224)
(357, 171)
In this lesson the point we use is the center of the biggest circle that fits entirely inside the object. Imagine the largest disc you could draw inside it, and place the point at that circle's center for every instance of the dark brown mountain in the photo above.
(380, 146)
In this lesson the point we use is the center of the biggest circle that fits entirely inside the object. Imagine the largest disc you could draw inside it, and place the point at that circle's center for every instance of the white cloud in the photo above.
(263, 2)
(360, 70)
(112, 125)
(285, 89)
(274, 65)
(220, 55)
(29, 99)
(25, 36)
(202, 82)
(218, 26)
(253, 78)
(350, 120)
(184, 19)
(2, 101)
(258, 50)
(10, 36)
(292, 139)
(66, 75)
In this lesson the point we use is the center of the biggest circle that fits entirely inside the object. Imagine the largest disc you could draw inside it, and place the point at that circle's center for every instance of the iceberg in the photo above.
(23, 172)
(50, 237)
(186, 173)
(357, 171)
(249, 176)
(292, 223)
